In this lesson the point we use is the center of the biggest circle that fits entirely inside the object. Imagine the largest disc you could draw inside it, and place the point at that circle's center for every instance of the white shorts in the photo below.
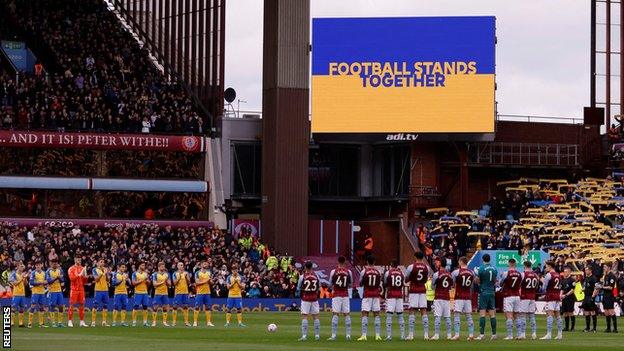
(527, 306)
(554, 306)
(341, 305)
(463, 306)
(511, 304)
(308, 307)
(394, 305)
(441, 308)
(417, 300)
(371, 304)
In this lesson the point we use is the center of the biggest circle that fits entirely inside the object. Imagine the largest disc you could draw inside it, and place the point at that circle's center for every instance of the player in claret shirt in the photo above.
(512, 281)
(528, 294)
(370, 280)
(552, 283)
(464, 283)
(394, 282)
(417, 275)
(341, 280)
(308, 287)
(442, 283)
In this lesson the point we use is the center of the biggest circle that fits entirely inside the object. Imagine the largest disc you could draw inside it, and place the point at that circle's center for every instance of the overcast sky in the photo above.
(542, 64)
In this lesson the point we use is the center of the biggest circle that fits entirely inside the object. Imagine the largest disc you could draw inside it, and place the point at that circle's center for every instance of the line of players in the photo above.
(520, 289)
(46, 287)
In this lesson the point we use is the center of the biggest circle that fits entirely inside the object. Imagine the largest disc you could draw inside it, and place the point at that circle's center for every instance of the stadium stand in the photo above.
(97, 77)
(268, 274)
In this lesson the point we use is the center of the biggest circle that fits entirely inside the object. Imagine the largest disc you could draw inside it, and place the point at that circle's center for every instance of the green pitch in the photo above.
(255, 337)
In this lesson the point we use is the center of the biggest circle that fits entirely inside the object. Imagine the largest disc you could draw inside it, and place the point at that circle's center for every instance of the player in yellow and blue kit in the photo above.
(161, 282)
(202, 294)
(55, 278)
(235, 286)
(100, 297)
(120, 279)
(140, 279)
(181, 282)
(38, 302)
(17, 280)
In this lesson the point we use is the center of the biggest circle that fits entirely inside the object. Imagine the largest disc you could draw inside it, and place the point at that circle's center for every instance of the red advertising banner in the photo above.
(187, 143)
(105, 223)
(251, 226)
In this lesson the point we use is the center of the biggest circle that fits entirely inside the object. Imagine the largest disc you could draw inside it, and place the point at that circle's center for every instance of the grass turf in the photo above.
(255, 337)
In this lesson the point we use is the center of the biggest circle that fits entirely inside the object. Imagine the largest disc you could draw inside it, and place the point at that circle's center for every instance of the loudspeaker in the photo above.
(593, 115)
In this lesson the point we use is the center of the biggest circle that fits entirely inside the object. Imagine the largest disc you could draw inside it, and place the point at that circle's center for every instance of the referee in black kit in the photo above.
(589, 303)
(569, 299)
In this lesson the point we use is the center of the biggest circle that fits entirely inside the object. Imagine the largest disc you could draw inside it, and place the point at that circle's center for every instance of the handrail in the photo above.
(408, 236)
(539, 119)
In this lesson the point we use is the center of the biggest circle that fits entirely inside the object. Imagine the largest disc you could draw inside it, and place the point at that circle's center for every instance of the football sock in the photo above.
(608, 318)
(134, 315)
(304, 328)
(144, 316)
(114, 316)
(587, 322)
(81, 313)
(364, 325)
(195, 316)
(493, 325)
(208, 316)
(457, 323)
(30, 317)
(20, 318)
(482, 325)
(59, 317)
(348, 325)
(239, 317)
(533, 323)
(228, 317)
(448, 325)
(518, 326)
(567, 322)
(470, 324)
(594, 321)
(185, 313)
(52, 317)
(573, 320)
(41, 318)
(411, 320)
(549, 323)
(174, 316)
(377, 325)
(334, 325)
(614, 322)
(559, 325)
(164, 316)
(317, 327)
(104, 315)
(509, 325)
(389, 324)
(70, 313)
(401, 325)
(154, 316)
(123, 316)
(436, 325)
(425, 321)
(93, 315)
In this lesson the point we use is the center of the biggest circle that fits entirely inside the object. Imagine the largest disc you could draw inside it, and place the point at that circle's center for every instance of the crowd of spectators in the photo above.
(105, 83)
(112, 163)
(266, 274)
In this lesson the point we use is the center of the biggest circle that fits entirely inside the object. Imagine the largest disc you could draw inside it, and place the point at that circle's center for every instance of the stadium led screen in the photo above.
(403, 75)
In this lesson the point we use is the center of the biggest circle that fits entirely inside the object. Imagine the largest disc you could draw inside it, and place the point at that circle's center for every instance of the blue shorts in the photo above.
(202, 300)
(181, 300)
(141, 300)
(19, 302)
(235, 302)
(55, 299)
(100, 299)
(38, 299)
(121, 302)
(160, 300)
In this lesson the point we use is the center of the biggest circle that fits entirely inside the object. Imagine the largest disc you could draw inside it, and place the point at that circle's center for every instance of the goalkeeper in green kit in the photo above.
(486, 278)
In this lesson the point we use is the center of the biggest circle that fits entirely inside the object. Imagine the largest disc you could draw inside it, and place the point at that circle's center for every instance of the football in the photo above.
(272, 328)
